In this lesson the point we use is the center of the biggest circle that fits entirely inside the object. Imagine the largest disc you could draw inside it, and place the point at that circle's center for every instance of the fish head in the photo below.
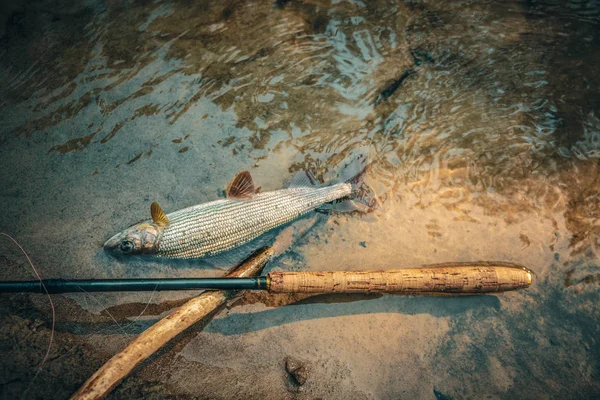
(139, 239)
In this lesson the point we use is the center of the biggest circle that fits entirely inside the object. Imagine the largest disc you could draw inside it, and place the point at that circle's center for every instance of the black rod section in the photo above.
(132, 285)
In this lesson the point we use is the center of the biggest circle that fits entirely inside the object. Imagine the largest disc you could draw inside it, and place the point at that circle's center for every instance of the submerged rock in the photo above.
(297, 370)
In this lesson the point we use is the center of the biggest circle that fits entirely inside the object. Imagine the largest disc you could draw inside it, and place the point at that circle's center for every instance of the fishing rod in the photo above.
(449, 278)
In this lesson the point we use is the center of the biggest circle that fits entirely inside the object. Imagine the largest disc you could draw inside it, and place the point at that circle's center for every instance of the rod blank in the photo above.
(133, 285)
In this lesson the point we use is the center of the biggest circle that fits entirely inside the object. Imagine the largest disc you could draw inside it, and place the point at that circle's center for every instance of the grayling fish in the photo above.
(212, 228)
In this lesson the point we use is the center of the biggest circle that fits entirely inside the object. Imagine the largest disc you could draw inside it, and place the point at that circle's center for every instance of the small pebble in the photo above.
(297, 369)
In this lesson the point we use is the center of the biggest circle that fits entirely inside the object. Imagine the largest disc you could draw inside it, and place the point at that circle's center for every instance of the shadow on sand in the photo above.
(315, 307)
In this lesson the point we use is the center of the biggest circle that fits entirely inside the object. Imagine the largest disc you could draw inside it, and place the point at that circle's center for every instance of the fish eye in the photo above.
(127, 246)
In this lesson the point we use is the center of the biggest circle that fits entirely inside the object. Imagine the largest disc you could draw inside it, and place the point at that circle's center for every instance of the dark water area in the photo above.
(480, 122)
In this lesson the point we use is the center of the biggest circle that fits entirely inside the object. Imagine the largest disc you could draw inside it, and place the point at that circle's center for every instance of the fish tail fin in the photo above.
(361, 198)
(362, 192)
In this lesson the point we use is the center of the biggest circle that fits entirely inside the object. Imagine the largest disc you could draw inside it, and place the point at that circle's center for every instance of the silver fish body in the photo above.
(218, 226)
(212, 228)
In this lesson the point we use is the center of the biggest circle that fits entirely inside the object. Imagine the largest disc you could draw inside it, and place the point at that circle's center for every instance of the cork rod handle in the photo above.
(482, 277)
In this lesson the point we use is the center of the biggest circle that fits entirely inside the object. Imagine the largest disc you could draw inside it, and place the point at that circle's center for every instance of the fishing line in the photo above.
(144, 310)
(39, 369)
(105, 309)
(120, 327)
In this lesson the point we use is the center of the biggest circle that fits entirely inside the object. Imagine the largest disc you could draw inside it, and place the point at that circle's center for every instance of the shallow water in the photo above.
(481, 125)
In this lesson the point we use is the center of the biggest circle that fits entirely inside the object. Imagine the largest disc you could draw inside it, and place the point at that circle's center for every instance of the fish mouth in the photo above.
(112, 245)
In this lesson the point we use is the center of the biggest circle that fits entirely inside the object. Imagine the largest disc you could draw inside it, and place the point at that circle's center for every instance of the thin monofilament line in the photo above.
(143, 311)
(90, 295)
(51, 306)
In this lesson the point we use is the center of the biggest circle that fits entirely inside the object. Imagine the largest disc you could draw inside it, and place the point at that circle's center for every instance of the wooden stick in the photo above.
(149, 341)
(472, 278)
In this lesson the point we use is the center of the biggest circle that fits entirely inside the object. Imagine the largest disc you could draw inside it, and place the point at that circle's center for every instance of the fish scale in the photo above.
(211, 228)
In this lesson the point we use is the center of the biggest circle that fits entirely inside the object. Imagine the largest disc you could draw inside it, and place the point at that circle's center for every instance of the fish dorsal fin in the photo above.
(158, 215)
(303, 178)
(242, 187)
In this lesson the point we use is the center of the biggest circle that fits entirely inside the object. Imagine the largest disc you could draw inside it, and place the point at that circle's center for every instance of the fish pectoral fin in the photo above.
(242, 187)
(158, 215)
